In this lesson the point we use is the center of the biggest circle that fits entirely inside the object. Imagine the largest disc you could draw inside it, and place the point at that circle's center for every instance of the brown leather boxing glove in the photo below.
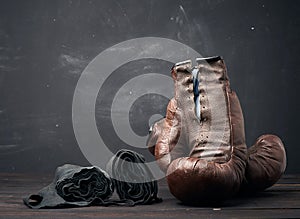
(266, 163)
(203, 154)
(201, 142)
(154, 132)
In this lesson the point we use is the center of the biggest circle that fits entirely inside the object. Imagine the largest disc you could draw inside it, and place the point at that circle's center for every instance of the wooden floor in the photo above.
(280, 201)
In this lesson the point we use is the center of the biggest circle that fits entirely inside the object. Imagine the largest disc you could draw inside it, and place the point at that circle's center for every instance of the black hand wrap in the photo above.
(82, 186)
(132, 178)
(74, 186)
(91, 185)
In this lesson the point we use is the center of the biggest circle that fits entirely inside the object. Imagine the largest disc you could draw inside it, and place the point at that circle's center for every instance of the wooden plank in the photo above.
(115, 213)
(281, 200)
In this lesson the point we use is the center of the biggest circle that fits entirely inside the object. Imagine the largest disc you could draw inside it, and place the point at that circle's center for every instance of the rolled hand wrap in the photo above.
(133, 180)
(74, 186)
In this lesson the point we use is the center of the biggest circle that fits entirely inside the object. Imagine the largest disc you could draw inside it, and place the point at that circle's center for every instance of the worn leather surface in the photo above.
(266, 163)
(154, 132)
(206, 160)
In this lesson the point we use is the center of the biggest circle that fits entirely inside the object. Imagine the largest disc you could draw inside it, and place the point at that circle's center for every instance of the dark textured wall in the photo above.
(45, 46)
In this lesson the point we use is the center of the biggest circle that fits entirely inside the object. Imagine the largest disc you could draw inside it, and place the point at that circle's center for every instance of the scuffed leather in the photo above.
(207, 160)
(154, 132)
(266, 163)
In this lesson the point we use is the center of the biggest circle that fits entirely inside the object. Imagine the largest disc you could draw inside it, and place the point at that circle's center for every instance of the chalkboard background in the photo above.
(46, 45)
